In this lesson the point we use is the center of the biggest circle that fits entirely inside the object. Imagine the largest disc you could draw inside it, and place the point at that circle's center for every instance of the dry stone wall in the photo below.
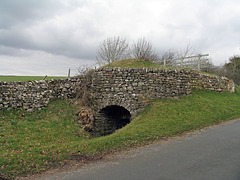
(212, 83)
(131, 88)
(32, 95)
(128, 87)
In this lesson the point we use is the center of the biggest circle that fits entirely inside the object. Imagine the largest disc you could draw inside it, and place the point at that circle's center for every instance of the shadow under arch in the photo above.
(111, 118)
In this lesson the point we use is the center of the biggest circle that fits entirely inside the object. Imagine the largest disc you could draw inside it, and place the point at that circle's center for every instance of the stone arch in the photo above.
(111, 118)
(132, 105)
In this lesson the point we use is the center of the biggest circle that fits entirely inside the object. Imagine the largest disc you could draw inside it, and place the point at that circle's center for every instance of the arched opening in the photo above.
(111, 118)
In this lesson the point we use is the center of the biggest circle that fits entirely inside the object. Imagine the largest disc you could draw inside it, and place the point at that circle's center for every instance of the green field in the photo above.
(28, 78)
(34, 142)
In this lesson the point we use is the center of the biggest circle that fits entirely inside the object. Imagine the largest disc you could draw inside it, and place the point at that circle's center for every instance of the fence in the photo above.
(195, 62)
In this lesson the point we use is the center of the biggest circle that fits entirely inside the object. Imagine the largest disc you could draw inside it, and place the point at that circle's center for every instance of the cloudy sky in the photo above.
(51, 36)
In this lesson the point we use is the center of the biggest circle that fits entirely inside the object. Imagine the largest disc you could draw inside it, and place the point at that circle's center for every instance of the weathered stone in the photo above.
(110, 85)
(86, 119)
(30, 110)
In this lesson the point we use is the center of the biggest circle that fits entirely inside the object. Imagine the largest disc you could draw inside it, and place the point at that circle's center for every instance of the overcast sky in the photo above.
(47, 37)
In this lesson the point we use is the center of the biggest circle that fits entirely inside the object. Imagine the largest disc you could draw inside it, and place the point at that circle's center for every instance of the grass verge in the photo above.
(28, 78)
(32, 143)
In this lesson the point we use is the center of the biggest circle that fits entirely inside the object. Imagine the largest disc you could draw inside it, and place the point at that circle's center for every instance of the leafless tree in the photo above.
(142, 49)
(85, 69)
(169, 54)
(178, 57)
(181, 54)
(112, 49)
(167, 58)
(186, 51)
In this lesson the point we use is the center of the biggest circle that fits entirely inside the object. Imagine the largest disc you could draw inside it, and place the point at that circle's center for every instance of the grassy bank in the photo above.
(32, 143)
(134, 63)
(139, 63)
(28, 78)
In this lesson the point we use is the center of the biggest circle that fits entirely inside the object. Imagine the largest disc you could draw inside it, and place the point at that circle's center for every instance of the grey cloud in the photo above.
(14, 52)
(17, 12)
(74, 28)
(25, 28)
(39, 63)
(4, 50)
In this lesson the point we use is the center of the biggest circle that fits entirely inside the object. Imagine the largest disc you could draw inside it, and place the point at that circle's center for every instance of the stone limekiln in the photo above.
(124, 90)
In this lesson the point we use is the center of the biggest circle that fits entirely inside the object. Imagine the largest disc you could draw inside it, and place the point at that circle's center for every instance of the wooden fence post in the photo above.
(69, 70)
(182, 58)
(199, 61)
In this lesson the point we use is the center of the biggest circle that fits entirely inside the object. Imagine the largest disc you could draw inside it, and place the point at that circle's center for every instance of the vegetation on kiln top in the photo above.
(138, 63)
(141, 63)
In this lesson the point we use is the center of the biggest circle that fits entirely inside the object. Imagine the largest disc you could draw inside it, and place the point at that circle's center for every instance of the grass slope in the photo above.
(134, 63)
(139, 63)
(28, 78)
(32, 143)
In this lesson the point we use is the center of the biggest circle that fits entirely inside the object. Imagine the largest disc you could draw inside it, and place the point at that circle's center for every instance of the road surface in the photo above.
(211, 153)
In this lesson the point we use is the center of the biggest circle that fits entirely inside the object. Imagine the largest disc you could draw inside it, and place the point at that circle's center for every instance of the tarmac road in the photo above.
(212, 153)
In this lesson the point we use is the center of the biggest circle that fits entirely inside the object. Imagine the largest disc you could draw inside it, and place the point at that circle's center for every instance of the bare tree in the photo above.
(181, 54)
(169, 54)
(186, 51)
(112, 49)
(142, 49)
(167, 58)
(84, 69)
(179, 57)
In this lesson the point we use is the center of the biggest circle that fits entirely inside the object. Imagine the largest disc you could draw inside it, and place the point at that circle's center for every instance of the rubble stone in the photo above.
(127, 87)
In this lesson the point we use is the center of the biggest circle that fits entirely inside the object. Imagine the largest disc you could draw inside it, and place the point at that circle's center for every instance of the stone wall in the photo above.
(130, 87)
(127, 87)
(32, 95)
(212, 83)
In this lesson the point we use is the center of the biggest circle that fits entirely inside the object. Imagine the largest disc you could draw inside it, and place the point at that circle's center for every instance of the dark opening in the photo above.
(112, 118)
